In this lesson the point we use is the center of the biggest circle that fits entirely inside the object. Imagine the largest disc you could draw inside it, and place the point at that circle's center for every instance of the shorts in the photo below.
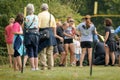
(112, 45)
(77, 56)
(68, 41)
(86, 44)
(16, 53)
(58, 48)
(10, 49)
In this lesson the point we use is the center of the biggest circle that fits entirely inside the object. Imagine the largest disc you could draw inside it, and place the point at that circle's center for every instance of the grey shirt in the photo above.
(86, 33)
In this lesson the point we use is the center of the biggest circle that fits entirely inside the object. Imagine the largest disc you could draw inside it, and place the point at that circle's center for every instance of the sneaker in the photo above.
(113, 65)
(37, 69)
(33, 69)
(105, 65)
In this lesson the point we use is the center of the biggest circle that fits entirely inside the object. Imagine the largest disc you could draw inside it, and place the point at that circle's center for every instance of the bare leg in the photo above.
(82, 56)
(62, 58)
(106, 55)
(32, 62)
(36, 63)
(25, 60)
(66, 53)
(72, 56)
(112, 57)
(90, 55)
(10, 60)
(19, 62)
(15, 64)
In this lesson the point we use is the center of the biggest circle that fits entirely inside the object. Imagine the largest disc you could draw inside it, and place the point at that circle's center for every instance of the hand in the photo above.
(61, 39)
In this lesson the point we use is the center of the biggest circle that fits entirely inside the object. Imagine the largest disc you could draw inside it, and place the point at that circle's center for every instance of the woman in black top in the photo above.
(109, 42)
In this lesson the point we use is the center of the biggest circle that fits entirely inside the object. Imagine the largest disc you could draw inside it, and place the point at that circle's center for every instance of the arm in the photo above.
(106, 36)
(67, 35)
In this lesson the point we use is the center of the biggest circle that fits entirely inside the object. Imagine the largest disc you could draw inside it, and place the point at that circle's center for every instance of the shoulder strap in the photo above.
(31, 23)
(49, 20)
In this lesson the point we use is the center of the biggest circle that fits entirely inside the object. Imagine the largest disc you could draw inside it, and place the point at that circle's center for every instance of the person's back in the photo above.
(9, 39)
(47, 22)
(44, 18)
(8, 34)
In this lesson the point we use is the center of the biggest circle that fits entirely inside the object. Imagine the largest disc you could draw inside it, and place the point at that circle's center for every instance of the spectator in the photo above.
(68, 41)
(18, 41)
(109, 42)
(60, 47)
(86, 29)
(31, 37)
(9, 40)
(47, 22)
(77, 46)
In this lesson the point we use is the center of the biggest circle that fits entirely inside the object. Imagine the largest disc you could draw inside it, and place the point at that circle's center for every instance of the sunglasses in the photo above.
(87, 18)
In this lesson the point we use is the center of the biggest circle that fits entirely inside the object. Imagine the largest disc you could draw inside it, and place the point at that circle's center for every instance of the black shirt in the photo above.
(59, 32)
(111, 33)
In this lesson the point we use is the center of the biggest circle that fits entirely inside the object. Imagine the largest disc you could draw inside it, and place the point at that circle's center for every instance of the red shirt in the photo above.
(9, 34)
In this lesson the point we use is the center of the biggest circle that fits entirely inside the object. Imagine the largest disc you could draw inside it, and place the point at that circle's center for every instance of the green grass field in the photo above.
(62, 73)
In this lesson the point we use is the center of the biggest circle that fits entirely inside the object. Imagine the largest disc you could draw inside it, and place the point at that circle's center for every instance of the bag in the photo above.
(43, 35)
(17, 42)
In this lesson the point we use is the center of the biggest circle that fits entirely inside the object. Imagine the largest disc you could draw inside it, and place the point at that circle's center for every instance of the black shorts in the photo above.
(16, 53)
(58, 48)
(112, 45)
(68, 41)
(86, 44)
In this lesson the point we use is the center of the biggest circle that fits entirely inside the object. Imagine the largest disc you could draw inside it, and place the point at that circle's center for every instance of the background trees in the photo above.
(61, 9)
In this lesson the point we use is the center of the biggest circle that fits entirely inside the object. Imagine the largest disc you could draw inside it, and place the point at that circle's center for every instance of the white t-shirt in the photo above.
(86, 34)
(77, 47)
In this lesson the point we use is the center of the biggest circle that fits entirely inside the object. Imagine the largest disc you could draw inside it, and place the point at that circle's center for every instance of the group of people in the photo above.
(23, 36)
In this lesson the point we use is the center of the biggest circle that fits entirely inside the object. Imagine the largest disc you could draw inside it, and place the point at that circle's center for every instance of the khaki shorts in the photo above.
(10, 49)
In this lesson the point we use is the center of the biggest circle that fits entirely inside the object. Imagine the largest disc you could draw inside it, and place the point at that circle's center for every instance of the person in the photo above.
(99, 55)
(9, 40)
(77, 52)
(109, 42)
(86, 29)
(47, 22)
(59, 48)
(31, 36)
(18, 41)
(55, 50)
(68, 41)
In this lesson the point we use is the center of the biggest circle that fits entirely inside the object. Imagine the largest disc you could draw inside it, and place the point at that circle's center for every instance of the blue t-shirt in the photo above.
(30, 19)
(86, 33)
(117, 30)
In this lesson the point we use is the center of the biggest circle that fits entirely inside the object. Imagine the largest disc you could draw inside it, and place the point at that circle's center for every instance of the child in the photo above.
(77, 49)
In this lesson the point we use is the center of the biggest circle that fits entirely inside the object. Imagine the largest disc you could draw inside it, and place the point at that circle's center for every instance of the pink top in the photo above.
(9, 34)
(17, 27)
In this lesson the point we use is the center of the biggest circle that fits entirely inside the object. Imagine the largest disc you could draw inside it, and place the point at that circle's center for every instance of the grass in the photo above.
(62, 73)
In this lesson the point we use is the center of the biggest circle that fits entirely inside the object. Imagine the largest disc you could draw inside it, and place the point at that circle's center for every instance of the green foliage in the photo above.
(61, 9)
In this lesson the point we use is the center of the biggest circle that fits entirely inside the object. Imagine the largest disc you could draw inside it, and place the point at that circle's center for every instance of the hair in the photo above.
(65, 23)
(68, 18)
(88, 16)
(19, 18)
(11, 20)
(44, 6)
(30, 8)
(108, 22)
